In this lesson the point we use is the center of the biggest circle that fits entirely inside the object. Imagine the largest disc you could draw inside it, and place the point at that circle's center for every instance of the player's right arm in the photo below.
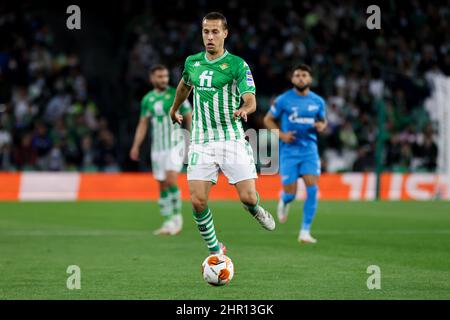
(182, 93)
(270, 121)
(184, 88)
(141, 130)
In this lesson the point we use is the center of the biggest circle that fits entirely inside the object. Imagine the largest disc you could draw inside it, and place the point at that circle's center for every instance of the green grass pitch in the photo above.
(112, 243)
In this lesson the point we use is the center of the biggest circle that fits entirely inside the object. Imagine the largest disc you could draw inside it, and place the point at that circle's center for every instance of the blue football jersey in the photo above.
(298, 113)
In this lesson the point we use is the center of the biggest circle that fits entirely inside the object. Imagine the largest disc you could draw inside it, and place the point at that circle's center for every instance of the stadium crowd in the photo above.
(49, 121)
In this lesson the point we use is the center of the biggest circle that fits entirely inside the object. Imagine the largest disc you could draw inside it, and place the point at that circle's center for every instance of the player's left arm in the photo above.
(186, 112)
(187, 119)
(321, 119)
(248, 107)
(246, 86)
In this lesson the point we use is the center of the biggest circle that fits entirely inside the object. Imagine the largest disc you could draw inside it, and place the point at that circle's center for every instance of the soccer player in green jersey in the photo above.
(219, 81)
(167, 146)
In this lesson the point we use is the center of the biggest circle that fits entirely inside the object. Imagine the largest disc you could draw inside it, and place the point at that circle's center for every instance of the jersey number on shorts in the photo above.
(194, 159)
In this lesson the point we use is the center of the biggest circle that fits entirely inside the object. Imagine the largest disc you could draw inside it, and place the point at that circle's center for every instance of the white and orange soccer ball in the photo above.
(217, 269)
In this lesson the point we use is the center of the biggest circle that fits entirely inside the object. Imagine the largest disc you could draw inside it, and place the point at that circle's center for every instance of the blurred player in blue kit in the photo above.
(301, 114)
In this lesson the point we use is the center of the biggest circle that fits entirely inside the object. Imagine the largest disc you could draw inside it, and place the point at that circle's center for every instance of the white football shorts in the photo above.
(167, 160)
(234, 158)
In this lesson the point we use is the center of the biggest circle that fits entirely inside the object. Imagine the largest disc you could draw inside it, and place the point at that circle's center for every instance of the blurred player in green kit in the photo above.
(167, 150)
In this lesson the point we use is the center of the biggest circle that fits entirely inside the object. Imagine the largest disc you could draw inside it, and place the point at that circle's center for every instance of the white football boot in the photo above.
(282, 211)
(168, 228)
(305, 237)
(178, 224)
(264, 218)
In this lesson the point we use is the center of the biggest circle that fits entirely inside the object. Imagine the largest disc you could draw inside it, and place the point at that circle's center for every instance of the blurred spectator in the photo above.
(58, 104)
(347, 136)
(25, 156)
(42, 143)
(5, 148)
(106, 152)
(88, 155)
(365, 161)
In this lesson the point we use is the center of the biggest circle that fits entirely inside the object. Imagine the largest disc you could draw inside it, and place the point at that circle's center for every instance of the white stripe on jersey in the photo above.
(200, 119)
(168, 128)
(226, 109)
(219, 129)
(208, 121)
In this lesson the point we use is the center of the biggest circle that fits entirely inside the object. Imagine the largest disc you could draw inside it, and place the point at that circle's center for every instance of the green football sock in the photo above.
(175, 199)
(205, 225)
(165, 206)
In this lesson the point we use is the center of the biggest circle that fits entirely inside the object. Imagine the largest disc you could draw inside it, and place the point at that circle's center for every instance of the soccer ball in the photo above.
(217, 269)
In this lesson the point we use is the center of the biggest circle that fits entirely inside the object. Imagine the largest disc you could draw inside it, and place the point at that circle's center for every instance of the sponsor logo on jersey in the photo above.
(294, 118)
(197, 64)
(206, 89)
(206, 78)
(249, 77)
(159, 108)
(313, 107)
(301, 120)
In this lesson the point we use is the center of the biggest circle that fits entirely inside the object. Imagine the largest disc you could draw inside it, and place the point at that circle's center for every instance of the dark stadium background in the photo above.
(70, 99)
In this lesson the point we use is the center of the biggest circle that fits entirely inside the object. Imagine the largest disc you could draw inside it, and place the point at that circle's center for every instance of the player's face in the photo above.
(214, 35)
(301, 79)
(160, 79)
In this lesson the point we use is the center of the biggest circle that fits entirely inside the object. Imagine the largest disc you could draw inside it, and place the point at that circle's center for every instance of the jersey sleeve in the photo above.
(185, 107)
(276, 109)
(185, 75)
(322, 113)
(145, 107)
(245, 82)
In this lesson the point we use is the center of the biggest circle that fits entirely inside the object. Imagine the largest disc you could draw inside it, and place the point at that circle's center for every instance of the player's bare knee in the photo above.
(171, 183)
(171, 179)
(199, 203)
(291, 189)
(310, 180)
(163, 185)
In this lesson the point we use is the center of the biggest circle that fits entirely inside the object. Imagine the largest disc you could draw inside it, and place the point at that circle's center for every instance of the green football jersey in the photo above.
(156, 106)
(218, 87)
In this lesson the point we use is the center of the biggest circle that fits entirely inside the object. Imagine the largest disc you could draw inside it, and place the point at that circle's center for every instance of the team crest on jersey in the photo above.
(312, 107)
(167, 96)
(151, 99)
(250, 81)
(223, 66)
